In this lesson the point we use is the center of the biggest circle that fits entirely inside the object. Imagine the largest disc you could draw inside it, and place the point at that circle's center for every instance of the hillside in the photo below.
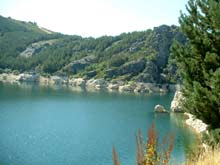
(137, 56)
(15, 36)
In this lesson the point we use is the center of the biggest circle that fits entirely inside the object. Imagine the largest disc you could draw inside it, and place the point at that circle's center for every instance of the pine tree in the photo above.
(198, 60)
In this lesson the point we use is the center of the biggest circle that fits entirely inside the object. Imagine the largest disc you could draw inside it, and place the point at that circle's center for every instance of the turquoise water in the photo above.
(57, 126)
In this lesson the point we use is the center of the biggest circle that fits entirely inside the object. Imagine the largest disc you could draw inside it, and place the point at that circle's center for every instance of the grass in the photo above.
(149, 154)
(153, 153)
(209, 157)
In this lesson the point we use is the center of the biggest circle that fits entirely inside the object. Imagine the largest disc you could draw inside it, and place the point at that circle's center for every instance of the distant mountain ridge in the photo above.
(137, 56)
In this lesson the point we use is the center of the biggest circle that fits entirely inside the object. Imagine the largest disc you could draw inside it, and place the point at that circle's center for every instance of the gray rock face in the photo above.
(198, 125)
(91, 74)
(113, 86)
(126, 88)
(149, 74)
(77, 82)
(160, 108)
(133, 67)
(111, 72)
(96, 83)
(142, 88)
(81, 64)
(36, 47)
(162, 41)
(28, 77)
(176, 104)
(58, 80)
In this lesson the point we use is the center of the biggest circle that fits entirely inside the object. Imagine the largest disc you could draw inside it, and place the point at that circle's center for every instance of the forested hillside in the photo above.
(137, 56)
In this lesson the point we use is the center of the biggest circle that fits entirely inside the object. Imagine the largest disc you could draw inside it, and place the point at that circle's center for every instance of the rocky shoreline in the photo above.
(198, 125)
(95, 84)
(119, 86)
(176, 106)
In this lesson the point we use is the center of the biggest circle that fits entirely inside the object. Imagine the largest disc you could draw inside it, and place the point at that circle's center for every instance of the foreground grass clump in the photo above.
(209, 157)
(159, 154)
(152, 153)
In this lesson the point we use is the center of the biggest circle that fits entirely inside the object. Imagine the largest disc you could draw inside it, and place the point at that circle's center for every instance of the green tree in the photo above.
(198, 60)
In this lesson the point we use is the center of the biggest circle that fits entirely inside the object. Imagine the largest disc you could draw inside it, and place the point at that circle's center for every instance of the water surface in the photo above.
(54, 126)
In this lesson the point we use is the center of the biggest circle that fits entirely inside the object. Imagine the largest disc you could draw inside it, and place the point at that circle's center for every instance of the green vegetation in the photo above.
(137, 56)
(198, 62)
(15, 36)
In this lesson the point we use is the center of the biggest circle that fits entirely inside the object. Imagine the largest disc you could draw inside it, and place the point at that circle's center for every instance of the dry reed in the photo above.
(209, 157)
(115, 156)
(149, 154)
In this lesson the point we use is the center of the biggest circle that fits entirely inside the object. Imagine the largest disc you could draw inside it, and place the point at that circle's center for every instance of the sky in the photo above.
(95, 17)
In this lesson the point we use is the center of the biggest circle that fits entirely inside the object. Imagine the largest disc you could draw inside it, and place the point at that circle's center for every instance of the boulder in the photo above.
(58, 80)
(77, 82)
(3, 76)
(141, 88)
(96, 83)
(160, 109)
(28, 77)
(9, 77)
(44, 80)
(112, 86)
(126, 88)
(176, 104)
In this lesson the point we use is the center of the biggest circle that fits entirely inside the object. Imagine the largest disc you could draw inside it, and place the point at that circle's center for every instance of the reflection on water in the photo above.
(63, 125)
(190, 138)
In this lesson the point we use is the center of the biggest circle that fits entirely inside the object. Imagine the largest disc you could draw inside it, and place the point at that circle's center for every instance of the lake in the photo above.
(60, 125)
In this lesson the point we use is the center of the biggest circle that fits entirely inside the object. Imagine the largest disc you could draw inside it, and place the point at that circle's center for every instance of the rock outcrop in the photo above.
(112, 86)
(126, 88)
(133, 67)
(80, 82)
(149, 74)
(198, 125)
(80, 64)
(142, 88)
(91, 74)
(9, 77)
(96, 83)
(58, 80)
(36, 47)
(176, 104)
(27, 77)
(160, 109)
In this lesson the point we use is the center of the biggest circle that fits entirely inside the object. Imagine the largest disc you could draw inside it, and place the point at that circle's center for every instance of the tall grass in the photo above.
(153, 153)
(115, 156)
(150, 154)
(140, 155)
(211, 156)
